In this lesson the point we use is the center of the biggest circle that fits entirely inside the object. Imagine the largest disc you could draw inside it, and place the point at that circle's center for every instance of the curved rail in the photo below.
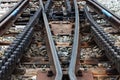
(101, 38)
(72, 65)
(102, 10)
(52, 46)
(7, 20)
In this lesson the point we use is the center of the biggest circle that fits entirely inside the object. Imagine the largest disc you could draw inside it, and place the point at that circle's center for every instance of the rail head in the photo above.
(106, 9)
(9, 19)
(112, 18)
(12, 11)
(72, 65)
(8, 13)
(52, 45)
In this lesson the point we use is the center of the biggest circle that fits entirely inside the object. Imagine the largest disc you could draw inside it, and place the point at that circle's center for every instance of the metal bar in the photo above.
(52, 46)
(5, 24)
(102, 10)
(106, 9)
(72, 65)
(23, 41)
(111, 53)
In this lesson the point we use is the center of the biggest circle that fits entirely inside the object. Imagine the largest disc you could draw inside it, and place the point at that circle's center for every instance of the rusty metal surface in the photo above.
(61, 27)
(42, 76)
(86, 76)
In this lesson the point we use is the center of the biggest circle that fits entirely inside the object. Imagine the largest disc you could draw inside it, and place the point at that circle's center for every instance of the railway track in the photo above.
(6, 6)
(103, 33)
(12, 42)
(10, 10)
(61, 40)
(51, 55)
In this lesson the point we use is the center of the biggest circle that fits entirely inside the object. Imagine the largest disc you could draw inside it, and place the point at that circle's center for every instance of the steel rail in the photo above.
(10, 64)
(8, 13)
(73, 60)
(8, 20)
(107, 9)
(102, 38)
(97, 27)
(18, 46)
(102, 10)
(52, 46)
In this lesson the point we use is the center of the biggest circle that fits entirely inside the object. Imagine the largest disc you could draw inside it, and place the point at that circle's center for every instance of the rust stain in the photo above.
(87, 75)
(61, 27)
(43, 76)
